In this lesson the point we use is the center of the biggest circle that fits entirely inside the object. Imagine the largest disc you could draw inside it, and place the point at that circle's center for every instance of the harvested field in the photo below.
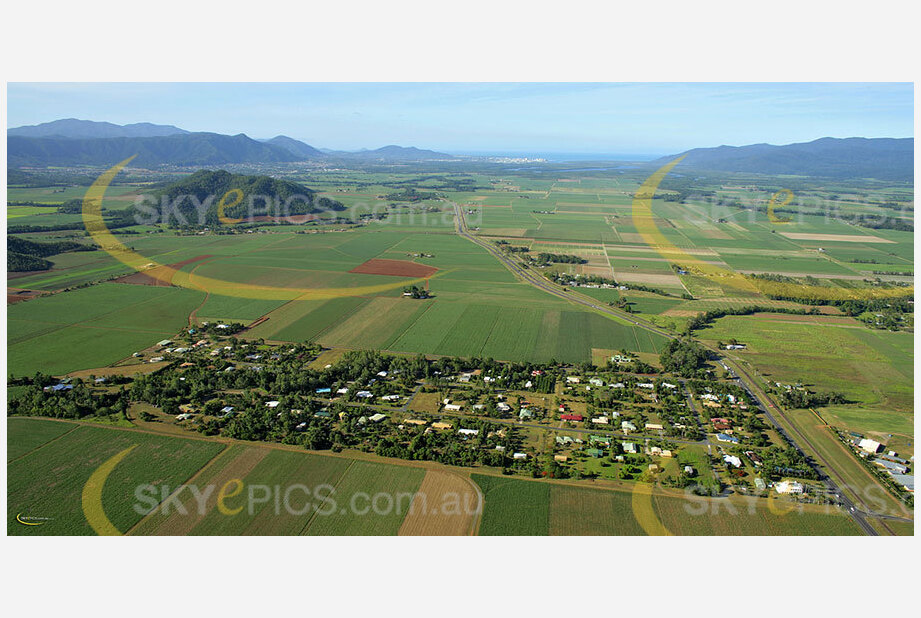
(445, 505)
(15, 295)
(159, 276)
(234, 463)
(122, 370)
(395, 268)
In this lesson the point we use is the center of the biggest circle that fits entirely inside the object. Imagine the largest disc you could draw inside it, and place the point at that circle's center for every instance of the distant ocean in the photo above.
(564, 157)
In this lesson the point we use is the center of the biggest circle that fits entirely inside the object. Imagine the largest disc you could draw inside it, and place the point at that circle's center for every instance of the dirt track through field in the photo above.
(445, 505)
(176, 524)
(159, 276)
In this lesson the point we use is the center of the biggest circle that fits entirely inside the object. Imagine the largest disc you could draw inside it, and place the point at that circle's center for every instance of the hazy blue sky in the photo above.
(576, 118)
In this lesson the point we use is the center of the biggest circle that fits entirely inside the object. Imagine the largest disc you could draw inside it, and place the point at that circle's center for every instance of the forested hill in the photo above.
(854, 157)
(188, 149)
(296, 147)
(24, 255)
(261, 195)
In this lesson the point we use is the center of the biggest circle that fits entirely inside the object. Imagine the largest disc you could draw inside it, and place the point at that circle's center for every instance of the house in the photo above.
(390, 398)
(870, 446)
(58, 387)
(627, 426)
(441, 425)
(519, 456)
(594, 452)
(164, 343)
(571, 417)
(733, 461)
(500, 448)
(525, 413)
(600, 439)
(272, 404)
(789, 487)
(324, 413)
(377, 418)
(669, 385)
(453, 407)
(468, 432)
(226, 411)
(560, 458)
(503, 407)
(184, 416)
(601, 420)
(722, 437)
(364, 394)
(415, 421)
(301, 427)
(528, 384)
(629, 447)
(563, 440)
(689, 470)
(712, 404)
(596, 382)
(756, 459)
(382, 374)
(735, 346)
(722, 426)
(760, 484)
(653, 467)
(342, 391)
(572, 380)
(646, 385)
(654, 426)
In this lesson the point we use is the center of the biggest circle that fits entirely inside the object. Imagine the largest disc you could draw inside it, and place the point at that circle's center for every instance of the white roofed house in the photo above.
(789, 487)
(870, 446)
(468, 432)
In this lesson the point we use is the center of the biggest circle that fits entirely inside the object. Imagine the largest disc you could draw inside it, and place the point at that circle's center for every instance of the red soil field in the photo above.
(396, 268)
(159, 276)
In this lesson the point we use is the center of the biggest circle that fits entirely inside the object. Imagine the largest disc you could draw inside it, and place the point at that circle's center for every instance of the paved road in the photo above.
(743, 378)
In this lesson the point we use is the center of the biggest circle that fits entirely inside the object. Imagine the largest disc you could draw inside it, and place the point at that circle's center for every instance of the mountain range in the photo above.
(84, 142)
(853, 157)
(71, 142)
(71, 127)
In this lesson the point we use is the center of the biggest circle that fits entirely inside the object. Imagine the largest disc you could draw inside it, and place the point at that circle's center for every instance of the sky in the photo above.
(604, 118)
